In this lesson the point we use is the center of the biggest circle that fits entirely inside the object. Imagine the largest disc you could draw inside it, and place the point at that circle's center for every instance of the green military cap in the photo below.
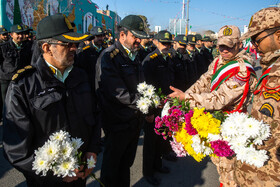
(95, 31)
(191, 39)
(17, 28)
(135, 25)
(206, 39)
(198, 37)
(26, 28)
(3, 30)
(181, 39)
(163, 36)
(58, 27)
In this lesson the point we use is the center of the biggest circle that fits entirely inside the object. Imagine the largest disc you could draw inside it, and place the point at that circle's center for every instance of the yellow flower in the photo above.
(205, 123)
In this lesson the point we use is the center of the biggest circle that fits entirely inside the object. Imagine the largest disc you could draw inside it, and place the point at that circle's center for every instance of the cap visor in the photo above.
(139, 34)
(161, 40)
(182, 43)
(72, 37)
(250, 34)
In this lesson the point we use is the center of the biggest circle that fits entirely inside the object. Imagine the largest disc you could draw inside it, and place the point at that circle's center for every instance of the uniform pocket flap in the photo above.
(41, 102)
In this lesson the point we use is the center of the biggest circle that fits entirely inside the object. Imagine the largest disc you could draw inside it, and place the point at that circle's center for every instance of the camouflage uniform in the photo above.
(227, 97)
(265, 107)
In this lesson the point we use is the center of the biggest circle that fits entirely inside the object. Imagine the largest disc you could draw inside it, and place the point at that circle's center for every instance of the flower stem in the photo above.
(93, 176)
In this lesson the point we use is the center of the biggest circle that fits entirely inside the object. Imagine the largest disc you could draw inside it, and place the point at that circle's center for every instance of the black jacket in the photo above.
(13, 59)
(159, 72)
(117, 79)
(182, 77)
(37, 105)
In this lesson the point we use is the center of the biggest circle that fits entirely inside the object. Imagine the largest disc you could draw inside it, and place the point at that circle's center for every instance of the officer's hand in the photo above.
(88, 171)
(177, 93)
(78, 172)
(150, 119)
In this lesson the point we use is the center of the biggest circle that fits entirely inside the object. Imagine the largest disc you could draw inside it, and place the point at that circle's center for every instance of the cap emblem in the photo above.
(166, 35)
(67, 22)
(227, 31)
(99, 30)
(19, 27)
(185, 38)
(193, 39)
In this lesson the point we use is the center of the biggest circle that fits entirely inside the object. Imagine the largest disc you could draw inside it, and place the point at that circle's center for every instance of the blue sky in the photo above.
(203, 14)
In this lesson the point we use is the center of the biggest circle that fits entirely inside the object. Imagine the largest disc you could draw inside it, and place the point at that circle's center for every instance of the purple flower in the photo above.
(188, 127)
(221, 148)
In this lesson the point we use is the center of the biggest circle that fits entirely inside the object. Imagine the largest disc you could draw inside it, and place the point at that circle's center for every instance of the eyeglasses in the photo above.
(256, 43)
(68, 45)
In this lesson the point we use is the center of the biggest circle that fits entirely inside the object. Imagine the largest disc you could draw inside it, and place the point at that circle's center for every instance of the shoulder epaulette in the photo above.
(153, 55)
(169, 54)
(21, 72)
(114, 53)
(86, 47)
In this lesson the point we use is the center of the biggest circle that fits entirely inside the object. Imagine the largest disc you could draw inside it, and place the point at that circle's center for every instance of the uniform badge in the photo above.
(20, 70)
(99, 30)
(185, 38)
(166, 35)
(227, 31)
(267, 109)
(193, 39)
(4, 29)
(67, 22)
(19, 27)
(141, 26)
(251, 21)
(275, 96)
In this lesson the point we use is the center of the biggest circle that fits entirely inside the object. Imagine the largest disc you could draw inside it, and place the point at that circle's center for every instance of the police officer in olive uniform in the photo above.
(4, 37)
(159, 71)
(199, 43)
(144, 49)
(118, 72)
(14, 55)
(181, 62)
(48, 97)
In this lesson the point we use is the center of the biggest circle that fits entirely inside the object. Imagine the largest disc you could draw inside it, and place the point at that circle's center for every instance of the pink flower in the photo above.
(221, 148)
(156, 131)
(178, 148)
(158, 122)
(188, 127)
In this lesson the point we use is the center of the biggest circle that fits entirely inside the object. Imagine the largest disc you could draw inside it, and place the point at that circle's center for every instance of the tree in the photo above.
(146, 24)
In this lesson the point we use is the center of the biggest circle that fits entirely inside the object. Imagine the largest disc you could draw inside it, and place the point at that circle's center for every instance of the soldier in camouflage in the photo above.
(231, 95)
(264, 31)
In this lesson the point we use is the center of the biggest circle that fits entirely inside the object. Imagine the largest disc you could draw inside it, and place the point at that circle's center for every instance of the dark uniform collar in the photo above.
(49, 78)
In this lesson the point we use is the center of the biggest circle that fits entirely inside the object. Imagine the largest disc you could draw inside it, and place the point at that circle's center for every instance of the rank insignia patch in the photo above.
(267, 109)
(275, 96)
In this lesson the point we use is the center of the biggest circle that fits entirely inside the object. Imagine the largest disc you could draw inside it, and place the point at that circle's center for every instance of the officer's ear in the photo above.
(46, 48)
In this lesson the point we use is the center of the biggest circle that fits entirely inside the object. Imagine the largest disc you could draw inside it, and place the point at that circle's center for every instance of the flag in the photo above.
(89, 1)
(72, 3)
(96, 6)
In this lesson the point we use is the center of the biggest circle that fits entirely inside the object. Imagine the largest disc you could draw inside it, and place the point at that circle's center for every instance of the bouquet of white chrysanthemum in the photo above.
(148, 98)
(60, 155)
(243, 133)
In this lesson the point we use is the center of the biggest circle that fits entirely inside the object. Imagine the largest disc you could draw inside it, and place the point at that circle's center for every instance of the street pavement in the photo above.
(185, 172)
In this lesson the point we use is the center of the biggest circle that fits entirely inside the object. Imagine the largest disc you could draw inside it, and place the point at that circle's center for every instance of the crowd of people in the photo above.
(85, 83)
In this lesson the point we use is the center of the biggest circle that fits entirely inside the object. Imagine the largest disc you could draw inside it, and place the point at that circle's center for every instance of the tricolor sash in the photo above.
(227, 71)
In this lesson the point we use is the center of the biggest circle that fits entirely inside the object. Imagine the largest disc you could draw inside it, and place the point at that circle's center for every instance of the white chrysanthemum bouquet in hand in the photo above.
(61, 156)
(243, 134)
(148, 98)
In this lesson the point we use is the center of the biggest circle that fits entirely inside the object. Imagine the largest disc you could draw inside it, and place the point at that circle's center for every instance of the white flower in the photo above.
(213, 137)
(256, 157)
(241, 153)
(40, 165)
(150, 91)
(66, 149)
(237, 142)
(196, 145)
(90, 162)
(229, 128)
(165, 109)
(60, 136)
(67, 167)
(76, 143)
(156, 101)
(142, 87)
(252, 127)
(50, 150)
(143, 105)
